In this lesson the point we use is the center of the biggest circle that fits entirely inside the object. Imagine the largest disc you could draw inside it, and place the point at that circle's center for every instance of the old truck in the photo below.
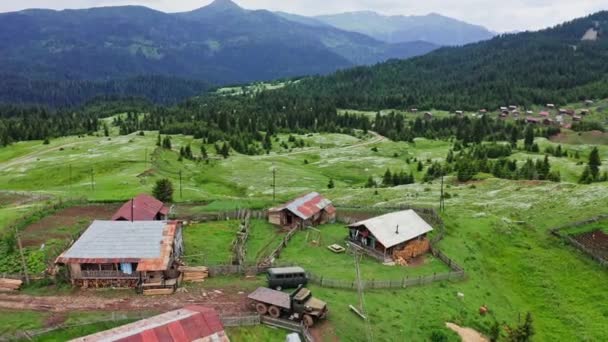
(299, 305)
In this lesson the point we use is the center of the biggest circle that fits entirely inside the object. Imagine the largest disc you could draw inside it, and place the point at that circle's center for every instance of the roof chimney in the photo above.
(397, 230)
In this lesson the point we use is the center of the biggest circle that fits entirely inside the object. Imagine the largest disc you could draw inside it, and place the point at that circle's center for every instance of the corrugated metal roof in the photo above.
(191, 323)
(270, 296)
(286, 270)
(306, 206)
(144, 207)
(384, 228)
(149, 243)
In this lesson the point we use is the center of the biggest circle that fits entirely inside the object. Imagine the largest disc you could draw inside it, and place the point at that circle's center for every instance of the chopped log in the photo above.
(194, 274)
(7, 284)
(158, 292)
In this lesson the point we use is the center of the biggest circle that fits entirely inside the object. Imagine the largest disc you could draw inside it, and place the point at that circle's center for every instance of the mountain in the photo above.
(433, 28)
(557, 65)
(218, 44)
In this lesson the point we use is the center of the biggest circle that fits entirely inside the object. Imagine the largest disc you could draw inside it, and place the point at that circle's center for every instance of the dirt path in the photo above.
(376, 139)
(224, 302)
(467, 334)
(27, 158)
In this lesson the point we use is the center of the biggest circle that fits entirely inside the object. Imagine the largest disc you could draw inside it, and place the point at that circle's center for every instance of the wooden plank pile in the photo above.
(194, 274)
(157, 292)
(9, 285)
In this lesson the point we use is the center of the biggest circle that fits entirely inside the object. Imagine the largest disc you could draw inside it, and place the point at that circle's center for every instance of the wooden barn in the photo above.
(189, 324)
(396, 236)
(142, 208)
(309, 210)
(125, 254)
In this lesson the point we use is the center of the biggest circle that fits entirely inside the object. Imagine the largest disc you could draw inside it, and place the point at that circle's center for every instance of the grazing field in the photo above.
(496, 229)
(209, 243)
(323, 262)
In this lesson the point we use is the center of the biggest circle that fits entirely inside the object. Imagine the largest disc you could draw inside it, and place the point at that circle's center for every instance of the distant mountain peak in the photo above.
(219, 6)
(224, 4)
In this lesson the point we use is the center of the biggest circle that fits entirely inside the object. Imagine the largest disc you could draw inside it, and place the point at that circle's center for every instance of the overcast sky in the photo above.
(498, 15)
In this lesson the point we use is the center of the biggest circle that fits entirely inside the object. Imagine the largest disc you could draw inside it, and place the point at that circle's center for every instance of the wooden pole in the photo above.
(180, 184)
(23, 261)
(274, 183)
(92, 179)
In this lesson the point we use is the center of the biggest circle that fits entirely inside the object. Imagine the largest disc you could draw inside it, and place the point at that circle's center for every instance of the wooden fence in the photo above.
(557, 231)
(250, 320)
(268, 260)
(239, 243)
(385, 284)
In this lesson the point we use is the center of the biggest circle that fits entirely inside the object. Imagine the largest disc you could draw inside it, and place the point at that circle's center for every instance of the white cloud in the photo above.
(498, 15)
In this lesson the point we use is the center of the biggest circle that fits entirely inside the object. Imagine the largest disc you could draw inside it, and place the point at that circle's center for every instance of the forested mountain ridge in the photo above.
(555, 65)
(433, 28)
(218, 44)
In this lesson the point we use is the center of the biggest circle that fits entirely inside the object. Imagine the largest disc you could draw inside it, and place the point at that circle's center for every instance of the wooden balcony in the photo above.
(358, 247)
(107, 275)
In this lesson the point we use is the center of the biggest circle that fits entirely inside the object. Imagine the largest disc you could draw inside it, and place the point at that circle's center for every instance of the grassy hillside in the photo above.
(497, 229)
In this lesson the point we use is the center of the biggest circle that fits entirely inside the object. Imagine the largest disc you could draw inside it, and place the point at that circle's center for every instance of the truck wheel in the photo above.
(308, 321)
(274, 312)
(262, 309)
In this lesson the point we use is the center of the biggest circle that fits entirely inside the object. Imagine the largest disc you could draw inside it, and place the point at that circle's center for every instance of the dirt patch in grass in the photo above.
(66, 222)
(324, 331)
(9, 198)
(596, 241)
(55, 319)
(467, 334)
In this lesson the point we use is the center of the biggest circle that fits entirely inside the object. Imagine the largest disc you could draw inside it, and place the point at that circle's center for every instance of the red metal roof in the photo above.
(306, 206)
(191, 323)
(144, 208)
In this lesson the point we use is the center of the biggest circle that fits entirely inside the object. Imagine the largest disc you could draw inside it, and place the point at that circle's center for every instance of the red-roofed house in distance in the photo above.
(192, 323)
(309, 210)
(142, 208)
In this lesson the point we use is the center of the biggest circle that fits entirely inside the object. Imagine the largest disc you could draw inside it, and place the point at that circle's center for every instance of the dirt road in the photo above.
(376, 139)
(224, 302)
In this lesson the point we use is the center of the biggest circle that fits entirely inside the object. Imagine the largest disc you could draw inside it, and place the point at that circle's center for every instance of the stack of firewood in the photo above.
(7, 285)
(194, 274)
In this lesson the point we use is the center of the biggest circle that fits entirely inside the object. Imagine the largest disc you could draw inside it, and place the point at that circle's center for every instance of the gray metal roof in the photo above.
(286, 270)
(395, 228)
(119, 239)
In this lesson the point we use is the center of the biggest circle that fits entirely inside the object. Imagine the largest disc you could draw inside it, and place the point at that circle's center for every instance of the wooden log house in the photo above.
(125, 254)
(398, 235)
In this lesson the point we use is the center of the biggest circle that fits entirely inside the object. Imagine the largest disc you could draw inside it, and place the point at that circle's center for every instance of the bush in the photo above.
(438, 336)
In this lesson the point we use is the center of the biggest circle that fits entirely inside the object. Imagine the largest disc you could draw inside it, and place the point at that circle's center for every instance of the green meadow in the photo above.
(498, 230)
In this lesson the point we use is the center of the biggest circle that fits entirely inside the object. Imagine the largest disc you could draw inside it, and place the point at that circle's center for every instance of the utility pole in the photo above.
(442, 199)
(180, 184)
(92, 180)
(274, 183)
(70, 178)
(23, 262)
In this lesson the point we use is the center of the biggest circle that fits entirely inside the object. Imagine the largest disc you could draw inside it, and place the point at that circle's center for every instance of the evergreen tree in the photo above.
(204, 154)
(387, 180)
(106, 130)
(163, 190)
(330, 185)
(167, 142)
(225, 151)
(420, 166)
(595, 163)
(529, 138)
(371, 183)
(158, 140)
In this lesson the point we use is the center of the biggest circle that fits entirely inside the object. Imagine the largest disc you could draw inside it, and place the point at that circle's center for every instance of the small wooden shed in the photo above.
(309, 210)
